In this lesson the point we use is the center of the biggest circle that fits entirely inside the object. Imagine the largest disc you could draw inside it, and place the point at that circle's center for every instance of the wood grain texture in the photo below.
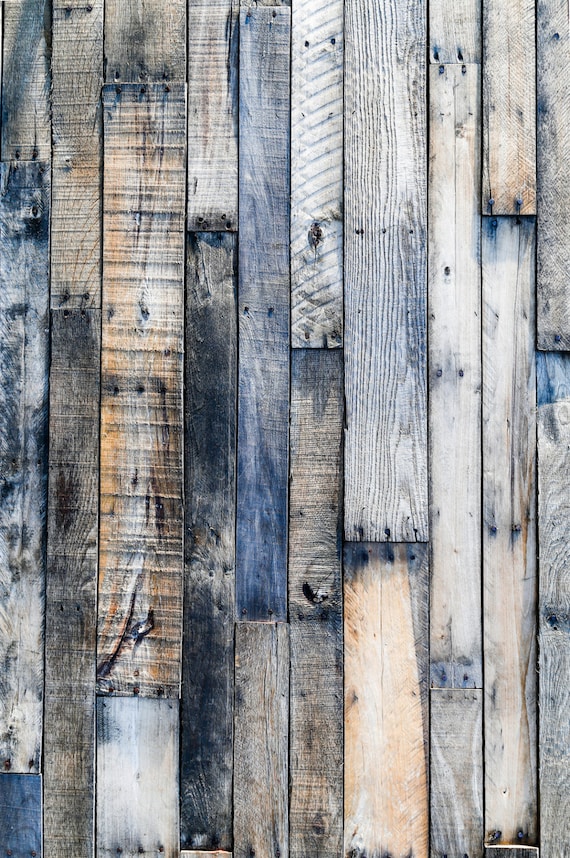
(209, 603)
(315, 605)
(137, 777)
(316, 174)
(213, 41)
(141, 560)
(509, 108)
(24, 355)
(20, 815)
(201, 854)
(456, 772)
(512, 852)
(385, 271)
(385, 688)
(454, 335)
(509, 530)
(455, 31)
(263, 394)
(261, 739)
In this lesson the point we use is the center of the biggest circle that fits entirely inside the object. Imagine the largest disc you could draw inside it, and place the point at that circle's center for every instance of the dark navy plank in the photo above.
(21, 815)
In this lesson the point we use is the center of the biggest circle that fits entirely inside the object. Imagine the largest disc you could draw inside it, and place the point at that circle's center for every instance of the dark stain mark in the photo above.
(314, 596)
(315, 235)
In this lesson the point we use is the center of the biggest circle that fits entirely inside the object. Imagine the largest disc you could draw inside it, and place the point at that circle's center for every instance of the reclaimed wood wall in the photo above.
(285, 428)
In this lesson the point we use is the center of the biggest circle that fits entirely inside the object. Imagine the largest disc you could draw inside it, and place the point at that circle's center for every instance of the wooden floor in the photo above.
(279, 456)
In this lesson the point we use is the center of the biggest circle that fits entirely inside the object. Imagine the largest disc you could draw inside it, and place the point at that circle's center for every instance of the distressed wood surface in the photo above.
(209, 603)
(512, 852)
(24, 354)
(201, 854)
(261, 739)
(145, 40)
(385, 659)
(141, 561)
(263, 389)
(315, 605)
(455, 31)
(385, 272)
(509, 530)
(317, 173)
(20, 815)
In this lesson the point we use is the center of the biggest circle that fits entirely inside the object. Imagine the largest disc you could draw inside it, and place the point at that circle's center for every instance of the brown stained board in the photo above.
(385, 271)
(209, 602)
(385, 694)
(455, 31)
(315, 605)
(24, 350)
(20, 815)
(316, 173)
(140, 560)
(263, 309)
(213, 42)
(509, 531)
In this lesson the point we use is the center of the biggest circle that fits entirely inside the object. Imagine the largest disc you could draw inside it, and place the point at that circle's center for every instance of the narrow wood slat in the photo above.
(455, 31)
(209, 603)
(385, 681)
(24, 355)
(512, 852)
(315, 605)
(20, 815)
(141, 562)
(385, 271)
(509, 530)
(263, 397)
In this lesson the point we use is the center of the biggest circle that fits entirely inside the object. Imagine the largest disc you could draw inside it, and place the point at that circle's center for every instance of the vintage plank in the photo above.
(385, 272)
(209, 602)
(509, 530)
(213, 36)
(263, 388)
(454, 335)
(141, 560)
(315, 605)
(261, 739)
(137, 777)
(455, 31)
(509, 108)
(456, 772)
(20, 815)
(512, 852)
(316, 174)
(385, 688)
(24, 351)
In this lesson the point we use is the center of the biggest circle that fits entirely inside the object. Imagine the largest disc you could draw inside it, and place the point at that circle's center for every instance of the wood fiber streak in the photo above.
(20, 815)
(455, 31)
(145, 41)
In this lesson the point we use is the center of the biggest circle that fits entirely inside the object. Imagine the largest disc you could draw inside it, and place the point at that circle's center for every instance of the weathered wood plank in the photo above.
(455, 31)
(456, 772)
(385, 271)
(141, 560)
(201, 854)
(454, 336)
(512, 852)
(209, 602)
(137, 777)
(263, 397)
(24, 351)
(385, 670)
(509, 108)
(509, 530)
(316, 174)
(261, 739)
(20, 815)
(213, 36)
(315, 605)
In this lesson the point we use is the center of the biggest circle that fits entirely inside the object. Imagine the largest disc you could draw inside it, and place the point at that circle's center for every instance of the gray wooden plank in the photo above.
(263, 388)
(21, 815)
(455, 31)
(514, 852)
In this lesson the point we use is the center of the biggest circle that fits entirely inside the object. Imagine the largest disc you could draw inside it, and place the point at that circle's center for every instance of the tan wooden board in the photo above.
(455, 31)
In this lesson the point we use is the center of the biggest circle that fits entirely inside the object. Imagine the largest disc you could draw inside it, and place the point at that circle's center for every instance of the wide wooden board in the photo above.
(21, 815)
(455, 31)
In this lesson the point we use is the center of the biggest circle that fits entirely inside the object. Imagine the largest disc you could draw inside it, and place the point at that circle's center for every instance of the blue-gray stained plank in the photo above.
(21, 815)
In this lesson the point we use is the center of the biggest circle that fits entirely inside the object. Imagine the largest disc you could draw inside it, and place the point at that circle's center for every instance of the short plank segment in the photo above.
(455, 31)
(263, 407)
(261, 740)
(208, 660)
(141, 561)
(24, 355)
(316, 174)
(315, 605)
(513, 852)
(509, 530)
(385, 680)
(21, 815)
(200, 854)
(137, 777)
(213, 37)
(385, 271)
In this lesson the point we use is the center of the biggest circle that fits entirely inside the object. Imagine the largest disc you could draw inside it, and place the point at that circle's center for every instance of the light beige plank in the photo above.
(455, 31)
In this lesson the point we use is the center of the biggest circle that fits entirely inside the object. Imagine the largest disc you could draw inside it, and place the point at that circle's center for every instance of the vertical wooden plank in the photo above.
(137, 777)
(315, 605)
(385, 692)
(209, 602)
(509, 537)
(213, 36)
(141, 561)
(24, 349)
(263, 395)
(455, 31)
(316, 174)
(21, 815)
(261, 739)
(385, 271)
